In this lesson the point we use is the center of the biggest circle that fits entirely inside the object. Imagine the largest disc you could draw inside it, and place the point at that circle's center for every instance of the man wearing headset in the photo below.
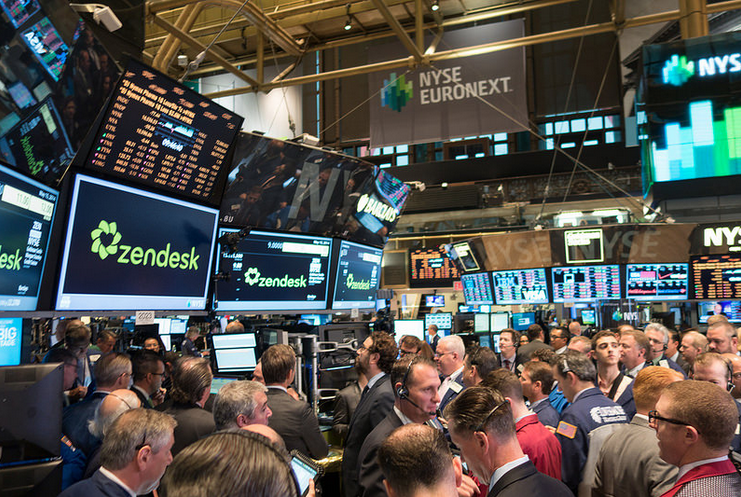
(658, 336)
(712, 367)
(416, 399)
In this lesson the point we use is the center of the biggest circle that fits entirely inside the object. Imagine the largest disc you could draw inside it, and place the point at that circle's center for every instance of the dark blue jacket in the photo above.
(590, 411)
(546, 413)
(75, 422)
(456, 387)
(97, 485)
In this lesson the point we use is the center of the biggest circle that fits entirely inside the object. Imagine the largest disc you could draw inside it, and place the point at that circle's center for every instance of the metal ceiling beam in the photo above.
(565, 34)
(397, 28)
(170, 46)
(184, 37)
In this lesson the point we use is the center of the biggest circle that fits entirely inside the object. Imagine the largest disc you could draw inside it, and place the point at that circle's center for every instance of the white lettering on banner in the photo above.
(718, 237)
(447, 85)
(710, 66)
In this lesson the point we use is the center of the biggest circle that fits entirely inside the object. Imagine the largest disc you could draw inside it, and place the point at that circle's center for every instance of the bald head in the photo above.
(575, 328)
(111, 407)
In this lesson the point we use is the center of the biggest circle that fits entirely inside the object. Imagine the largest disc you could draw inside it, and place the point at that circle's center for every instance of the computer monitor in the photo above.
(477, 289)
(358, 276)
(586, 283)
(520, 286)
(234, 353)
(730, 309)
(499, 321)
(715, 277)
(11, 340)
(484, 339)
(481, 322)
(443, 320)
(651, 282)
(522, 320)
(413, 327)
(220, 381)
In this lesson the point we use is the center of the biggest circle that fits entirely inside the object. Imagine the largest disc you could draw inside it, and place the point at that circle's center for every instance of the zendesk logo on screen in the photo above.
(107, 242)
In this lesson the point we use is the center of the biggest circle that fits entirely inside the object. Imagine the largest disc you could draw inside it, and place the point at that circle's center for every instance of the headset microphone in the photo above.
(403, 391)
(406, 397)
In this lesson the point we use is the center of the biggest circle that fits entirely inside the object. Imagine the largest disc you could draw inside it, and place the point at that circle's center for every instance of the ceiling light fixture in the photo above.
(348, 23)
(435, 5)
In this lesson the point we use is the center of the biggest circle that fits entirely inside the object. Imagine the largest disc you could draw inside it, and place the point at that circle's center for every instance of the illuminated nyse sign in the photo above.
(678, 70)
(724, 236)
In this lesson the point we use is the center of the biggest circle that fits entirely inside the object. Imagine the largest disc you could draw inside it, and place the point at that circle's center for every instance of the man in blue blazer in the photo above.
(482, 426)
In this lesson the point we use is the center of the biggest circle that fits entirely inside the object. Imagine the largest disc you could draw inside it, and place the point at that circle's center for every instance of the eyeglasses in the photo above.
(143, 444)
(653, 416)
(158, 374)
(486, 419)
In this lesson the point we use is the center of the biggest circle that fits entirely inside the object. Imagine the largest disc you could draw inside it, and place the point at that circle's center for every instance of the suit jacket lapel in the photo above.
(516, 474)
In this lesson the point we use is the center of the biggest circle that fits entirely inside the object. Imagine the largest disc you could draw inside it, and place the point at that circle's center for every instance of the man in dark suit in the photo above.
(415, 383)
(450, 356)
(416, 462)
(294, 420)
(482, 426)
(113, 372)
(149, 371)
(658, 336)
(536, 336)
(191, 386)
(376, 356)
(508, 356)
(134, 456)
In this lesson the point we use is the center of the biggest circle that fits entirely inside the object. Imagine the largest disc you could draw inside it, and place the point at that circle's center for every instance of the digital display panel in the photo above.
(435, 300)
(26, 214)
(522, 320)
(128, 249)
(21, 96)
(11, 337)
(481, 322)
(584, 246)
(484, 340)
(431, 268)
(235, 360)
(45, 43)
(413, 327)
(358, 276)
(464, 253)
(160, 133)
(716, 277)
(20, 11)
(589, 317)
(443, 320)
(477, 289)
(38, 145)
(273, 272)
(499, 321)
(586, 283)
(520, 286)
(234, 341)
(730, 309)
(657, 281)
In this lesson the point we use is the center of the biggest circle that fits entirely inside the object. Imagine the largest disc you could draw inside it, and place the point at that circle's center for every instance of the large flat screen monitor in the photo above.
(431, 268)
(586, 283)
(520, 286)
(463, 252)
(730, 309)
(443, 320)
(235, 352)
(657, 281)
(481, 322)
(522, 320)
(477, 289)
(716, 277)
(358, 276)
(128, 249)
(413, 327)
(273, 272)
(26, 213)
(499, 321)
(162, 134)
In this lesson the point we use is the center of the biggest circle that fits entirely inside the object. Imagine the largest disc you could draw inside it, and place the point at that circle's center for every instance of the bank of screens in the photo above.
(26, 213)
(128, 249)
(657, 281)
(413, 327)
(358, 276)
(234, 352)
(431, 267)
(477, 289)
(273, 272)
(443, 320)
(162, 134)
(730, 309)
(520, 286)
(499, 321)
(481, 322)
(716, 277)
(522, 320)
(19, 11)
(586, 283)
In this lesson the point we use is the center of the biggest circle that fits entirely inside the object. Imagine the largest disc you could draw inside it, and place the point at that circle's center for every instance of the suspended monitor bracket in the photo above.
(101, 13)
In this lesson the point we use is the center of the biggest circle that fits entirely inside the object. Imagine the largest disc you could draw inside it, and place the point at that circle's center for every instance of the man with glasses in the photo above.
(695, 435)
(133, 458)
(482, 426)
(560, 340)
(149, 371)
(585, 423)
(449, 358)
(735, 362)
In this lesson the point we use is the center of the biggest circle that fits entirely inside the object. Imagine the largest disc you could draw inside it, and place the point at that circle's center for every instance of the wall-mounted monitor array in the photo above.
(26, 212)
(129, 249)
(585, 283)
(430, 268)
(520, 286)
(443, 320)
(657, 281)
(716, 277)
(477, 289)
(358, 276)
(161, 134)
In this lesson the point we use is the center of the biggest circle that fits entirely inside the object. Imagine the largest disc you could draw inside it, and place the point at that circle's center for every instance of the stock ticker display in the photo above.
(477, 289)
(431, 268)
(160, 133)
(520, 286)
(716, 277)
(586, 283)
(657, 281)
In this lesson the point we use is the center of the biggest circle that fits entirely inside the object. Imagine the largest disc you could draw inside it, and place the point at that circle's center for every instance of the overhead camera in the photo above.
(101, 14)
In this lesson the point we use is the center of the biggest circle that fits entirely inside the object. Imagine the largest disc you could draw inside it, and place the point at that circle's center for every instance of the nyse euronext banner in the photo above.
(454, 98)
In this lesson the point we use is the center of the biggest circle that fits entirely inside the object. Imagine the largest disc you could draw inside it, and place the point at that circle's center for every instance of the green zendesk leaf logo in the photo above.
(352, 284)
(253, 277)
(138, 255)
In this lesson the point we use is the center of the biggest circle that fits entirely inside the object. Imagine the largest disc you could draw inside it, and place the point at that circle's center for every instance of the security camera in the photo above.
(101, 14)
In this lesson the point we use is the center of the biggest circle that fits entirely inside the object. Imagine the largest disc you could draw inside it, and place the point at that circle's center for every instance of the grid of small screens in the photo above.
(413, 327)
(477, 289)
(129, 249)
(273, 272)
(431, 267)
(161, 134)
(585, 283)
(26, 212)
(520, 286)
(443, 320)
(235, 353)
(357, 277)
(657, 281)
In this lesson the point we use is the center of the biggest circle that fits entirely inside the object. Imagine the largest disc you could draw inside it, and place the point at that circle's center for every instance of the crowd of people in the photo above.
(627, 412)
